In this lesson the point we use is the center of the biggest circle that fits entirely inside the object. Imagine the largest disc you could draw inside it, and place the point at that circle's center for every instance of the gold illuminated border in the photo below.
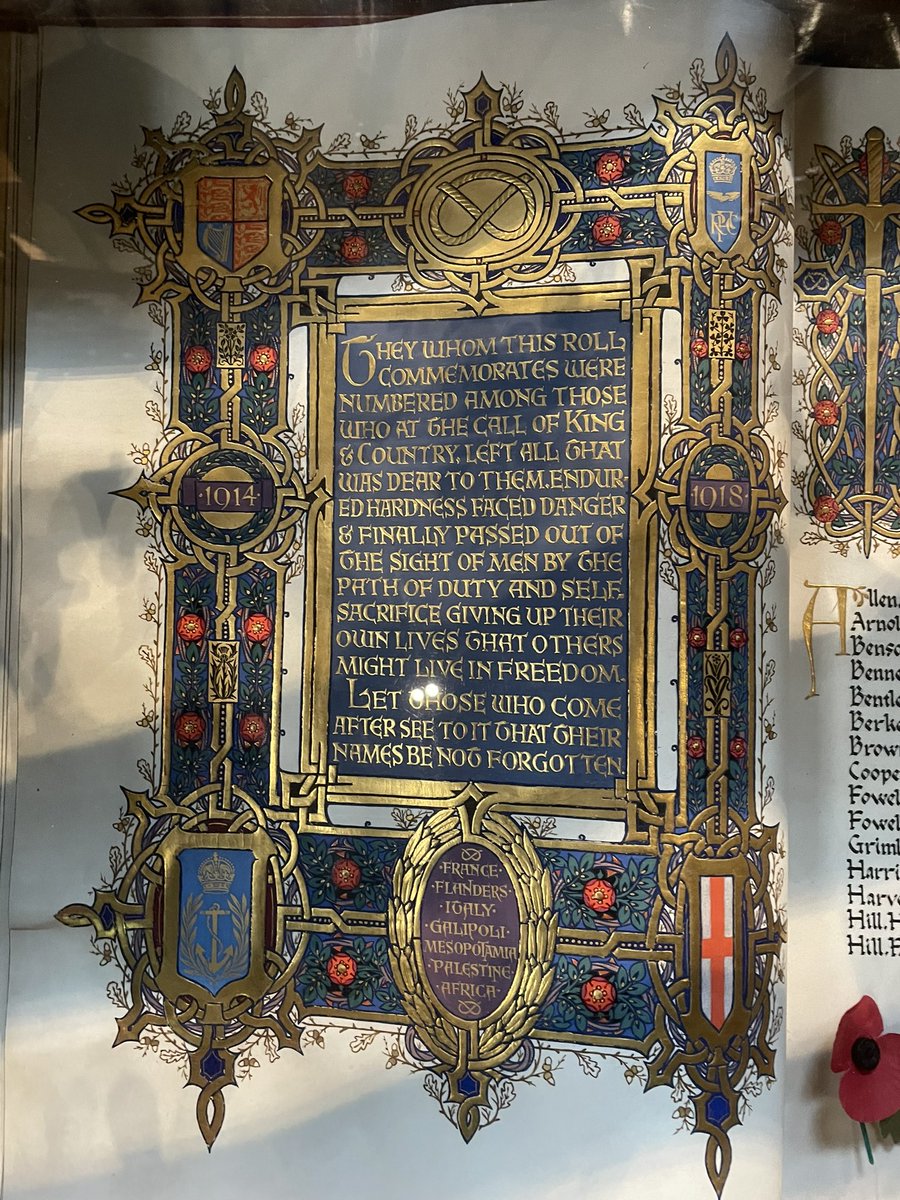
(318, 783)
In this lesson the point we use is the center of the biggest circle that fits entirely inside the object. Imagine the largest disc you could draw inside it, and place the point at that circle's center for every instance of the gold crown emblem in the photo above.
(215, 874)
(723, 168)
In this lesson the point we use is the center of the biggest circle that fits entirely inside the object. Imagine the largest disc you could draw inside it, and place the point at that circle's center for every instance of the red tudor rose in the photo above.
(742, 350)
(827, 320)
(263, 358)
(356, 185)
(737, 747)
(258, 627)
(606, 229)
(253, 729)
(609, 167)
(825, 509)
(189, 728)
(697, 637)
(830, 233)
(190, 627)
(197, 360)
(599, 895)
(737, 639)
(354, 248)
(699, 347)
(598, 994)
(696, 747)
(826, 412)
(341, 969)
(345, 875)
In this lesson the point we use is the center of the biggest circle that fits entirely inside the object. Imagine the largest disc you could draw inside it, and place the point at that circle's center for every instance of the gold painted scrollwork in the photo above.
(472, 1048)
(485, 206)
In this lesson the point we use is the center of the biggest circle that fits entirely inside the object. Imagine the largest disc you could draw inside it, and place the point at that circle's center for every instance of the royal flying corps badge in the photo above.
(721, 209)
(232, 220)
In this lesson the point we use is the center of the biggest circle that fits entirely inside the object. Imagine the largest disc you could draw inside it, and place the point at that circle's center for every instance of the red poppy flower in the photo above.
(697, 637)
(345, 874)
(189, 728)
(253, 729)
(737, 747)
(197, 360)
(826, 412)
(190, 627)
(609, 167)
(825, 509)
(341, 969)
(598, 994)
(258, 627)
(263, 358)
(699, 347)
(599, 895)
(606, 229)
(696, 747)
(869, 1059)
(742, 350)
(354, 248)
(830, 233)
(356, 185)
(737, 639)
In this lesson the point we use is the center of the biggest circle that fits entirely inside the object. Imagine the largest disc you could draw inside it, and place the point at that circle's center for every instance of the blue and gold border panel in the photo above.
(245, 900)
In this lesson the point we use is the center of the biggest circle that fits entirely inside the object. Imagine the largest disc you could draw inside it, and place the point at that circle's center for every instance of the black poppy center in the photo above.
(865, 1054)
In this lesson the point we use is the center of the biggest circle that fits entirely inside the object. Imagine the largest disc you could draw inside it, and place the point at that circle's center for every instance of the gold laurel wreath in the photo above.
(497, 1037)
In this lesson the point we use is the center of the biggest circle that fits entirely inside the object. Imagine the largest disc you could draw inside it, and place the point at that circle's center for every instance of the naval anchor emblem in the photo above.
(214, 946)
(214, 892)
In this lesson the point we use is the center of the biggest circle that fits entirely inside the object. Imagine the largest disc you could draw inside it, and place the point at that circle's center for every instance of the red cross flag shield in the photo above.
(717, 947)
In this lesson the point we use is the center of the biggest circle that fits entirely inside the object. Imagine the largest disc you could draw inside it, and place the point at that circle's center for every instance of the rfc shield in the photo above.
(719, 215)
(724, 181)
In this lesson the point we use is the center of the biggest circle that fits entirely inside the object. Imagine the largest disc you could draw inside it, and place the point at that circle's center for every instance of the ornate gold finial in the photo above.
(482, 101)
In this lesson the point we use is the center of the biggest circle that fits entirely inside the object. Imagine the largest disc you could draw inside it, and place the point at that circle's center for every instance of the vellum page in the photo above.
(844, 578)
(411, 558)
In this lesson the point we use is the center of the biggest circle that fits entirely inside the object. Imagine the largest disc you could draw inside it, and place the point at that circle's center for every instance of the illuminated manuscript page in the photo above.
(411, 558)
(843, 728)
